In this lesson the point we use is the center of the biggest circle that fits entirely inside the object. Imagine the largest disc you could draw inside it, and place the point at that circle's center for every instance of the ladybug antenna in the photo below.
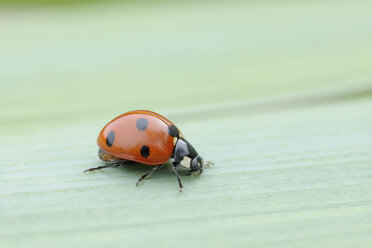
(208, 164)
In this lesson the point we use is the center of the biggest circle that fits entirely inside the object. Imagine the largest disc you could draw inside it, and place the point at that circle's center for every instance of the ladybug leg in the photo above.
(107, 165)
(97, 168)
(175, 170)
(192, 172)
(189, 173)
(147, 174)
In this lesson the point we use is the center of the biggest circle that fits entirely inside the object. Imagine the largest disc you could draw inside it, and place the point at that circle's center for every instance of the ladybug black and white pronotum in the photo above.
(145, 137)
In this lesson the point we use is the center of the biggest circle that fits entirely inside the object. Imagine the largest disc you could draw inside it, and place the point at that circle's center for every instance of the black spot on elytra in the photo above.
(142, 124)
(173, 131)
(145, 151)
(110, 138)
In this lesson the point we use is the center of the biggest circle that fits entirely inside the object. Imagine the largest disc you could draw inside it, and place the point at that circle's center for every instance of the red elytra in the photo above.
(141, 136)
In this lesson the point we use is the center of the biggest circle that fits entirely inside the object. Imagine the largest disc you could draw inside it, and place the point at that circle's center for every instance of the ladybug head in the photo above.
(197, 163)
(186, 156)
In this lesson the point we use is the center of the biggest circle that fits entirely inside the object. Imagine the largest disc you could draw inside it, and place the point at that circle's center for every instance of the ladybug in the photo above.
(145, 137)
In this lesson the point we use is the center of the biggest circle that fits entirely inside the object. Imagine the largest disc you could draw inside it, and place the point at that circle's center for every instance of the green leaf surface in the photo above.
(278, 95)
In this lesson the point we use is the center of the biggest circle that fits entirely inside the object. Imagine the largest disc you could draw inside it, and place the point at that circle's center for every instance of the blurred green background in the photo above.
(277, 94)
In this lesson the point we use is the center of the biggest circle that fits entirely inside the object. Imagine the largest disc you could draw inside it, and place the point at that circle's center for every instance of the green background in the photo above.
(277, 95)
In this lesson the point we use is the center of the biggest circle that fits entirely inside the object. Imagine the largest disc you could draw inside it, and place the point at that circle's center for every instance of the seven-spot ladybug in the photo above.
(146, 137)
